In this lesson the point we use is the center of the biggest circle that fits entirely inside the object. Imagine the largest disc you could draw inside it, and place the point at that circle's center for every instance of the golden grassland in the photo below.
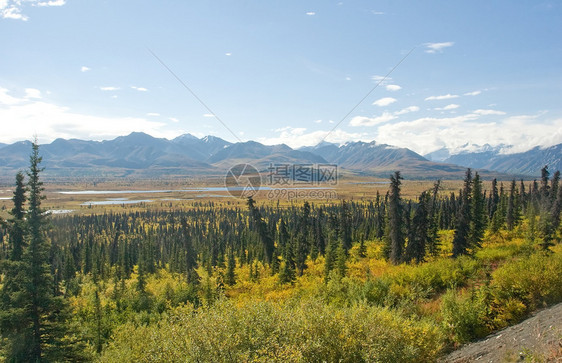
(175, 196)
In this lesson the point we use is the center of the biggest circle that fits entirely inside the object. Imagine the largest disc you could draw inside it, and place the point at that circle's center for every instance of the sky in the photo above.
(418, 74)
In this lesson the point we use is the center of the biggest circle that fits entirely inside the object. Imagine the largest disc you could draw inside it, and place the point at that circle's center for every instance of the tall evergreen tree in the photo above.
(513, 209)
(493, 200)
(477, 213)
(395, 214)
(544, 188)
(230, 278)
(420, 229)
(433, 233)
(34, 321)
(263, 231)
(17, 227)
(462, 228)
(190, 255)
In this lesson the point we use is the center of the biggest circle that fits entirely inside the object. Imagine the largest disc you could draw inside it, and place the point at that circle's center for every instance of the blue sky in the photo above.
(284, 71)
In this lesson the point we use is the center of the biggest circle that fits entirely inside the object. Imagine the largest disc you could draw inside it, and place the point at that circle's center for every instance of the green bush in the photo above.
(464, 316)
(299, 332)
(535, 281)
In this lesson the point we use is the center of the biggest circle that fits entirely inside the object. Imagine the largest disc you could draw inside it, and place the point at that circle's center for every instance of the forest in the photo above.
(387, 279)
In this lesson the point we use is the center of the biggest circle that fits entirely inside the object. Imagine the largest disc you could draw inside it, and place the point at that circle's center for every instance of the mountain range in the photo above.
(499, 159)
(142, 155)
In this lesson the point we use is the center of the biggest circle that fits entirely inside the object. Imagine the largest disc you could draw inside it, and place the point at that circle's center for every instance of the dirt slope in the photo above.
(537, 339)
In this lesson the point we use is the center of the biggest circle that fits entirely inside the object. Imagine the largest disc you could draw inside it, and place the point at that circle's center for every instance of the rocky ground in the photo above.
(537, 339)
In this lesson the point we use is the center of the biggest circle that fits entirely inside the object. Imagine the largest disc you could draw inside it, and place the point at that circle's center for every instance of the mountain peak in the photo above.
(185, 137)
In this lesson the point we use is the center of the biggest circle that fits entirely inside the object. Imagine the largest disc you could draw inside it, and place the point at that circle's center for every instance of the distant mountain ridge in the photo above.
(139, 154)
(383, 159)
(495, 158)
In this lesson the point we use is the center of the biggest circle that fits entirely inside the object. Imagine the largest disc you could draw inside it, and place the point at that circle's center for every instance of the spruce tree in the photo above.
(395, 234)
(420, 229)
(190, 259)
(477, 214)
(262, 230)
(33, 320)
(433, 228)
(513, 208)
(462, 228)
(17, 223)
(230, 278)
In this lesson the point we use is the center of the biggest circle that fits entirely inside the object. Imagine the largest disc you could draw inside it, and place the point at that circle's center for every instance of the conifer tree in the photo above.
(17, 223)
(493, 200)
(557, 209)
(513, 208)
(462, 228)
(477, 214)
(190, 255)
(419, 236)
(341, 259)
(32, 319)
(230, 278)
(395, 214)
(433, 232)
(544, 187)
(554, 185)
(262, 230)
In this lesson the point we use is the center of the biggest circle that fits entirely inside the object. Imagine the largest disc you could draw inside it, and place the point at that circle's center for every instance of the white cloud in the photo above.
(298, 137)
(473, 93)
(208, 115)
(29, 116)
(381, 79)
(109, 88)
(32, 93)
(318, 121)
(140, 89)
(310, 13)
(393, 87)
(372, 121)
(437, 47)
(407, 110)
(153, 114)
(384, 118)
(452, 106)
(173, 119)
(448, 96)
(12, 9)
(84, 69)
(385, 101)
(489, 112)
(348, 78)
(428, 134)
(377, 12)
(12, 12)
(52, 3)
(6, 99)
(228, 54)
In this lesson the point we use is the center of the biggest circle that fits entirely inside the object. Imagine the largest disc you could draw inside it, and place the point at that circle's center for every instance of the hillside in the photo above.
(538, 338)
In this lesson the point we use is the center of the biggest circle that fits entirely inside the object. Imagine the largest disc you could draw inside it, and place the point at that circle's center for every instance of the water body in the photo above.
(113, 201)
(374, 182)
(191, 190)
(60, 211)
